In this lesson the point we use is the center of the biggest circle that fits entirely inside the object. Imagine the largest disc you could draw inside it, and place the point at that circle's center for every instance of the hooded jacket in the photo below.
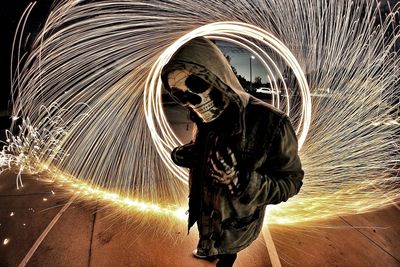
(263, 141)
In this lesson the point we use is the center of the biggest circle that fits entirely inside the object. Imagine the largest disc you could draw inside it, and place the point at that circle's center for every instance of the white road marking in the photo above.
(45, 232)
(273, 254)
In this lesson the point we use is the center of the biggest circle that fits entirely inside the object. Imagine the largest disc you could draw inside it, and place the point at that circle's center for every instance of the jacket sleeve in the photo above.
(280, 176)
(186, 155)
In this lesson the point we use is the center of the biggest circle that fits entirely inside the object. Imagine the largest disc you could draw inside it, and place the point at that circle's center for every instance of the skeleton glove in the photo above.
(224, 169)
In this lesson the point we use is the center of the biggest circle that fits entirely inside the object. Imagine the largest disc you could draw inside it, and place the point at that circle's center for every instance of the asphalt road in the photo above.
(42, 224)
(87, 234)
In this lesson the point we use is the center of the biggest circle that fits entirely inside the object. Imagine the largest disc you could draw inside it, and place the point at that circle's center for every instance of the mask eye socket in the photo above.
(185, 97)
(196, 84)
(178, 95)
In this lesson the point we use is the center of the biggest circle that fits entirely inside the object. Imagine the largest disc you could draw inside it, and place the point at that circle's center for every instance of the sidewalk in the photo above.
(89, 235)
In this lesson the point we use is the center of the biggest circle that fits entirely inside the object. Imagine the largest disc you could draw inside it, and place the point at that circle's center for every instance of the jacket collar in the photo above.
(231, 120)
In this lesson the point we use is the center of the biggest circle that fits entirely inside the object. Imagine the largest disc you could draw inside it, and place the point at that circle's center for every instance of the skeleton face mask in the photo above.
(191, 91)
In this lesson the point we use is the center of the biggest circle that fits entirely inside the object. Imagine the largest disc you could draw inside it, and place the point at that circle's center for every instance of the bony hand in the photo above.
(224, 169)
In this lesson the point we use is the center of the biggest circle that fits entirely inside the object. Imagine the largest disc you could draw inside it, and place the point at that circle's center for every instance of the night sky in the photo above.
(11, 11)
(240, 60)
(10, 14)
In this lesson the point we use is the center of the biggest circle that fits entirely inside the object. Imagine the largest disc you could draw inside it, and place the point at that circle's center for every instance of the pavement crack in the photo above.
(370, 239)
(91, 237)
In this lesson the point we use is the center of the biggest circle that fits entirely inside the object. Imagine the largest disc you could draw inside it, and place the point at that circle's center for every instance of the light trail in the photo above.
(90, 64)
(154, 108)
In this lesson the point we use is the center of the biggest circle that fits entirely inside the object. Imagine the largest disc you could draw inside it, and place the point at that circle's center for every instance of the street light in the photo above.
(251, 78)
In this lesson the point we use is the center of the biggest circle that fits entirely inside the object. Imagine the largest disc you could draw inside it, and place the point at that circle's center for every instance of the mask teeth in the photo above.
(204, 107)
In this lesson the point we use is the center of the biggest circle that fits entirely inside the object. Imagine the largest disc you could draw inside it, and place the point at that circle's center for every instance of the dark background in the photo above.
(10, 14)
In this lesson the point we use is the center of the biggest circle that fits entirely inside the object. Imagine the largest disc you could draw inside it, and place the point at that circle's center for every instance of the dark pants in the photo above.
(226, 260)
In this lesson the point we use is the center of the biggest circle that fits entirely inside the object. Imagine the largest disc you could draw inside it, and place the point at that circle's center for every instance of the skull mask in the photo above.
(192, 91)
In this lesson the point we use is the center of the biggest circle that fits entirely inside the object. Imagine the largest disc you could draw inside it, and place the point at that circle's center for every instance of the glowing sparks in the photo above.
(6, 241)
(89, 98)
(228, 31)
(88, 191)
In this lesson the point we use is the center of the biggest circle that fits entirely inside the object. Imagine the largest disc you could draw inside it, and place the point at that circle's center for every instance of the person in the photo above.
(244, 154)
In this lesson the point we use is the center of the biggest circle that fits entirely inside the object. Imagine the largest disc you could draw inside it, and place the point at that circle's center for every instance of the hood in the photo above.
(204, 59)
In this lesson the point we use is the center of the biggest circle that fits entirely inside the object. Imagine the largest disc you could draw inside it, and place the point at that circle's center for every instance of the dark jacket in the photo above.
(265, 145)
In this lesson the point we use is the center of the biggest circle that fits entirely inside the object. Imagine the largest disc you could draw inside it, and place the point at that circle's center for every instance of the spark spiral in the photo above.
(80, 91)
